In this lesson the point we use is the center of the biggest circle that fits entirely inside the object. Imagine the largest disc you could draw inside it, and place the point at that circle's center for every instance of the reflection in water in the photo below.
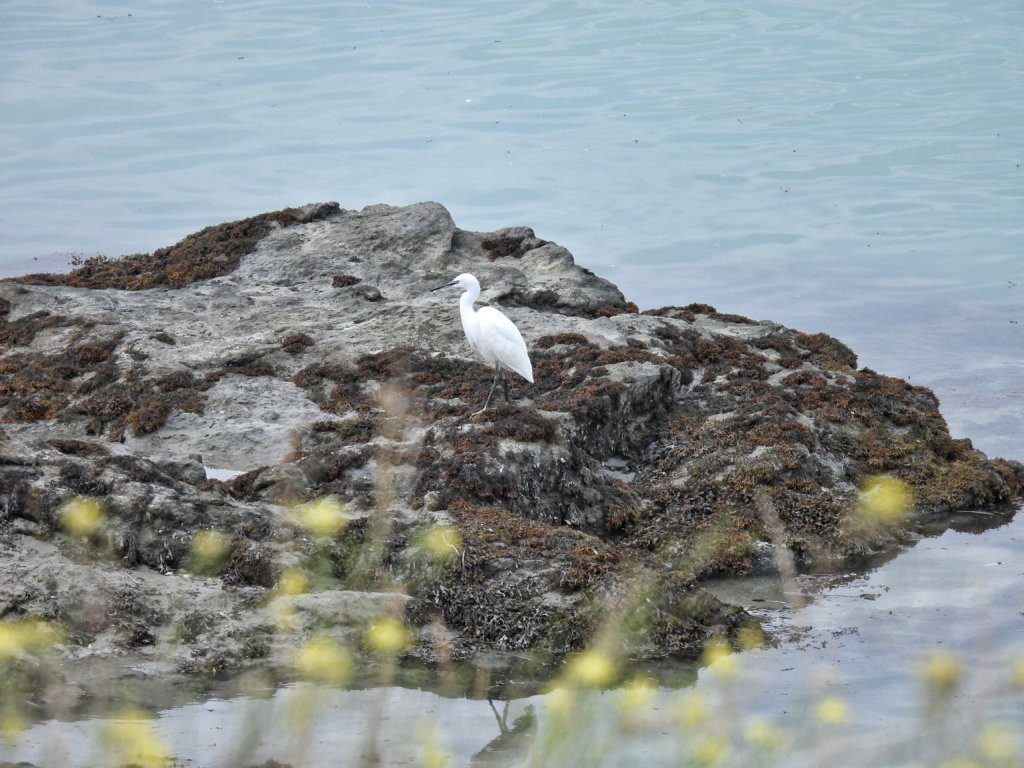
(847, 168)
(844, 679)
(512, 742)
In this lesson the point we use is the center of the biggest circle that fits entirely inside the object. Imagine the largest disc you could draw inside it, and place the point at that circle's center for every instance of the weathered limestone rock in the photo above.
(304, 350)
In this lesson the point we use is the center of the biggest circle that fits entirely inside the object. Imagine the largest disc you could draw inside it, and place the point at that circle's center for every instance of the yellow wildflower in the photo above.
(638, 693)
(560, 701)
(293, 581)
(388, 636)
(940, 671)
(131, 738)
(10, 640)
(442, 542)
(635, 701)
(12, 724)
(884, 499)
(323, 517)
(286, 617)
(719, 657)
(1017, 671)
(210, 549)
(710, 752)
(764, 736)
(324, 659)
(750, 637)
(590, 669)
(301, 710)
(832, 711)
(997, 744)
(432, 754)
(29, 635)
(81, 516)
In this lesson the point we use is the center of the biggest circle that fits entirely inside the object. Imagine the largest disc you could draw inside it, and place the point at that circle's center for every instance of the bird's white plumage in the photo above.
(500, 341)
(491, 333)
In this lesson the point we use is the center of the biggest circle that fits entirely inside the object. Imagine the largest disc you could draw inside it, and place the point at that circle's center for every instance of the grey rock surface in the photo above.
(655, 448)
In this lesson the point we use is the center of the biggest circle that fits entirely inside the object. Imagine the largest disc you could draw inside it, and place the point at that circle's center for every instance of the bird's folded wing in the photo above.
(493, 321)
(501, 335)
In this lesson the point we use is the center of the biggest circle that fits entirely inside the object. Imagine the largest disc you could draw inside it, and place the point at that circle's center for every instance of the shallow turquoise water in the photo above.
(851, 167)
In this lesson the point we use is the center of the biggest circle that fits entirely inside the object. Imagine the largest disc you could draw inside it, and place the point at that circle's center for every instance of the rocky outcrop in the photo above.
(304, 350)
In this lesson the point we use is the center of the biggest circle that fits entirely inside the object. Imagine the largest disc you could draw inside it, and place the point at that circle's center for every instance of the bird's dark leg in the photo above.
(504, 381)
(502, 723)
(497, 372)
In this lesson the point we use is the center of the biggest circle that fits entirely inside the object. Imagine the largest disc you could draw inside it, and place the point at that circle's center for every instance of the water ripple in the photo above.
(744, 151)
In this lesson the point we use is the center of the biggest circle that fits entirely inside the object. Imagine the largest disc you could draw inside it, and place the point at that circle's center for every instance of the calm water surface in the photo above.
(848, 167)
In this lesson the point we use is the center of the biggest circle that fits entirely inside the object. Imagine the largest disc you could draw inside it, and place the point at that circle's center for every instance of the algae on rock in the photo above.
(304, 350)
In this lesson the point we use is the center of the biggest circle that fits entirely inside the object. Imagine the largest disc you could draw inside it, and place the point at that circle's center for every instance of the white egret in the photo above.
(491, 334)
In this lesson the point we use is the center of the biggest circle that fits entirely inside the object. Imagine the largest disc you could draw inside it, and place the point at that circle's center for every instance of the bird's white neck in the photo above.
(466, 310)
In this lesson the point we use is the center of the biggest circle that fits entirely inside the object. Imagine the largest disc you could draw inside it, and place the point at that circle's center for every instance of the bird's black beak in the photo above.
(446, 285)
